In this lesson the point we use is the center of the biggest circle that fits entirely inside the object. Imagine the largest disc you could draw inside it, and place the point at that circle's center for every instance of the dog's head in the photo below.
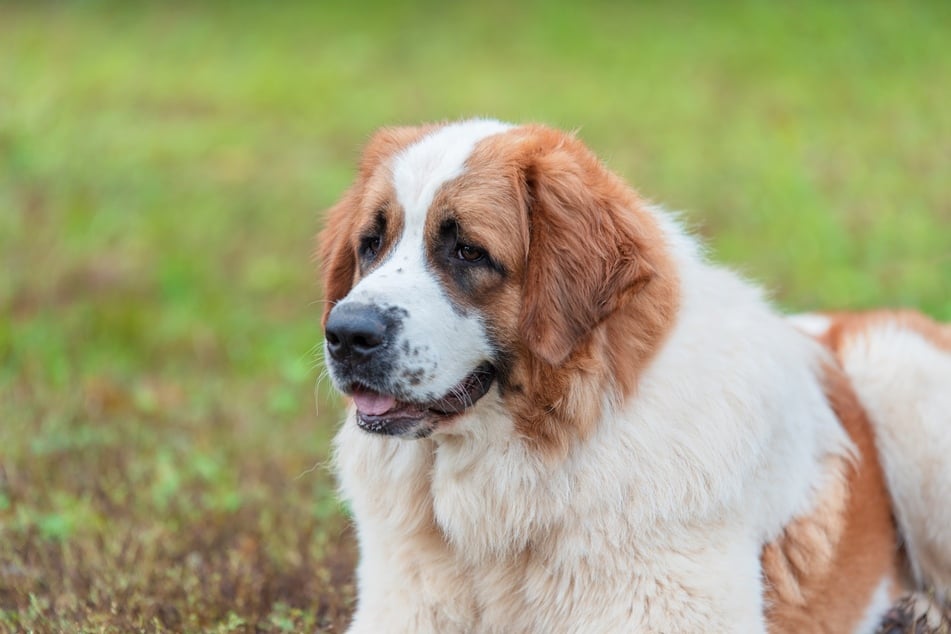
(477, 256)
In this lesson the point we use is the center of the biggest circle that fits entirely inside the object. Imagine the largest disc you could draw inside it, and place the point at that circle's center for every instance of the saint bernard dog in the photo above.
(564, 418)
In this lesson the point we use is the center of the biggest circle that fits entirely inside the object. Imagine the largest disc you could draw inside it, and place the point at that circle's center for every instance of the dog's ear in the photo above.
(586, 253)
(337, 252)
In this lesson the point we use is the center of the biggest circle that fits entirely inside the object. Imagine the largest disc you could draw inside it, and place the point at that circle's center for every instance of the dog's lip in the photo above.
(383, 413)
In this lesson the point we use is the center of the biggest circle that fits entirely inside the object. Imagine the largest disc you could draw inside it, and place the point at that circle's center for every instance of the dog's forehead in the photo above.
(422, 168)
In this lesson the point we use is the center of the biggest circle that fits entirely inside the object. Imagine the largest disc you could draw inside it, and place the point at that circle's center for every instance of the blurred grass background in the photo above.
(163, 167)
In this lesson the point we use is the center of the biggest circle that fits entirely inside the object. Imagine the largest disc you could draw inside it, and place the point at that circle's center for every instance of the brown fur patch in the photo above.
(484, 203)
(823, 571)
(846, 326)
(848, 331)
(592, 289)
(336, 250)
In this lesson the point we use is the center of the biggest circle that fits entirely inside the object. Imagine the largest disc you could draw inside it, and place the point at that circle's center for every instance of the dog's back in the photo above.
(899, 363)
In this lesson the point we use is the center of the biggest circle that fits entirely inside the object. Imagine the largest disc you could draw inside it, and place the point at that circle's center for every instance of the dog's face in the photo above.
(463, 259)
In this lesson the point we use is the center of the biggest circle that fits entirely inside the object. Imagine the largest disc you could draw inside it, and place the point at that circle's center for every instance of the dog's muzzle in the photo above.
(361, 342)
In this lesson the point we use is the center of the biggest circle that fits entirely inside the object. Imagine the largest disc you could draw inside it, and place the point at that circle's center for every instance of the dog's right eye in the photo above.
(469, 253)
(370, 246)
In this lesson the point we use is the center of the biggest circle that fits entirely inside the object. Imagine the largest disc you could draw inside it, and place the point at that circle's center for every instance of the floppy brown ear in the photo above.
(586, 252)
(336, 251)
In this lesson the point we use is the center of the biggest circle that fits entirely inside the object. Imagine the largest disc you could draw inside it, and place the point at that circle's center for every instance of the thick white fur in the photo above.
(904, 382)
(655, 523)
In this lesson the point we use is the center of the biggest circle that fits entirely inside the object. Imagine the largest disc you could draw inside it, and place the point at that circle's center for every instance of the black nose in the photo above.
(355, 331)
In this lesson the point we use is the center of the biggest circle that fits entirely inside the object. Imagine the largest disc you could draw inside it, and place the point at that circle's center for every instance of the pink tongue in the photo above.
(373, 404)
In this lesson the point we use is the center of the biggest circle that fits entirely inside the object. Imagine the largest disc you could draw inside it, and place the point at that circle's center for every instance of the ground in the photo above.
(164, 167)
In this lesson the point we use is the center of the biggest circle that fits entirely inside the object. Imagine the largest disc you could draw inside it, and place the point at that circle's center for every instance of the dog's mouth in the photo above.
(381, 413)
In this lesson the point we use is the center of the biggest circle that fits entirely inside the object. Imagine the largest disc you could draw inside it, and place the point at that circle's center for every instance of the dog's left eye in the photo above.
(370, 246)
(469, 253)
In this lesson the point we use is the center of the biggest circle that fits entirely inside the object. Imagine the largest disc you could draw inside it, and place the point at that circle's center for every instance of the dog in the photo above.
(564, 418)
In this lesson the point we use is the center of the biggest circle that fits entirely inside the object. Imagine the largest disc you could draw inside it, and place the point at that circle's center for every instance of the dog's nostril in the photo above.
(355, 332)
(366, 341)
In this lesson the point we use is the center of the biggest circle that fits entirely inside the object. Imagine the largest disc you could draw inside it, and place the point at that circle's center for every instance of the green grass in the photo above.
(163, 168)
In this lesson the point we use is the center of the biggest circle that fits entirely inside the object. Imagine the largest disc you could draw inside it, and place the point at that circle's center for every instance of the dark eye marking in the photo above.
(460, 251)
(370, 247)
(372, 240)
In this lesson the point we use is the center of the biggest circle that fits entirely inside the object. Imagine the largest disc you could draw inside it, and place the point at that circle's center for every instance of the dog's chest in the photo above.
(488, 542)
(541, 559)
(606, 588)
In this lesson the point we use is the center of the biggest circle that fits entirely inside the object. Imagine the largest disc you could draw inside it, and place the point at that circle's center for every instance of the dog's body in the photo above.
(580, 425)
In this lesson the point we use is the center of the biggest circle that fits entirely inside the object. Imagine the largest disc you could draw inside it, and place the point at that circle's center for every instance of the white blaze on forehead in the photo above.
(422, 168)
